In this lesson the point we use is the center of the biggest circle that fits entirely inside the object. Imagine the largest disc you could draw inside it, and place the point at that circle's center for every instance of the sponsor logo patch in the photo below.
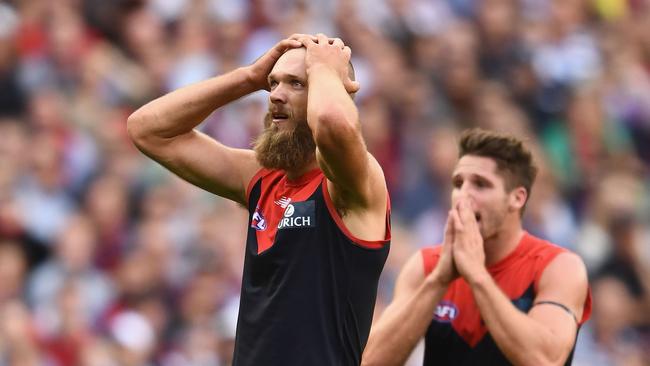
(283, 201)
(298, 215)
(446, 311)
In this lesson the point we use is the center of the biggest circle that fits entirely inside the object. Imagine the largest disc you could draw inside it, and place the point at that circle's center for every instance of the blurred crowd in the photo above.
(107, 259)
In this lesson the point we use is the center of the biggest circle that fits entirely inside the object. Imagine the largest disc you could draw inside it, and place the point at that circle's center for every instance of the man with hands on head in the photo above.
(491, 294)
(318, 232)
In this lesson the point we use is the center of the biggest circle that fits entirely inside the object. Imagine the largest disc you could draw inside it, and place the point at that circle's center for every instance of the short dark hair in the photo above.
(514, 160)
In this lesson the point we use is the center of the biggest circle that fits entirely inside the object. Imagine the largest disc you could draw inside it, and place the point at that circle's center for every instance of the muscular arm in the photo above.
(164, 130)
(356, 181)
(406, 319)
(547, 333)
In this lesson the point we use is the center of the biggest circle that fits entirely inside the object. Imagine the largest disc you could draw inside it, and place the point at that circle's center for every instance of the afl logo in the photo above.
(446, 311)
(289, 211)
(258, 222)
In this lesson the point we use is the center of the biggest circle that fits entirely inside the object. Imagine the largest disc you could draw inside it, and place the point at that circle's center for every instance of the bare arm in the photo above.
(357, 181)
(406, 319)
(547, 333)
(164, 130)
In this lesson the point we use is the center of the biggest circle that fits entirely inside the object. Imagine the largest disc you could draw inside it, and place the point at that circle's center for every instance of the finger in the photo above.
(467, 215)
(465, 210)
(449, 228)
(457, 223)
(298, 36)
(347, 53)
(290, 43)
(322, 39)
(307, 42)
(338, 42)
(351, 86)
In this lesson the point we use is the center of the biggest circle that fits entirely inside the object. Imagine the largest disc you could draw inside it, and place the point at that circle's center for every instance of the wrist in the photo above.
(320, 67)
(254, 80)
(438, 280)
(478, 278)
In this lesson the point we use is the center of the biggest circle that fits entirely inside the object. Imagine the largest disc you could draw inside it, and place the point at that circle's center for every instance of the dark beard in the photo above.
(284, 150)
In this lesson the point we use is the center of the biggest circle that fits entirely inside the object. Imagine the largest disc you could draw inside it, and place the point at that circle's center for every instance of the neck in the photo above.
(299, 172)
(501, 244)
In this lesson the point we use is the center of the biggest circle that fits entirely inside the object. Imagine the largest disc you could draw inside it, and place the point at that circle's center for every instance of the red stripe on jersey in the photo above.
(277, 192)
(260, 173)
(430, 257)
(369, 244)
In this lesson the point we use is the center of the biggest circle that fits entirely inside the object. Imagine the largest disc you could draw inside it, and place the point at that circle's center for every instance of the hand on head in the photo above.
(261, 68)
(329, 52)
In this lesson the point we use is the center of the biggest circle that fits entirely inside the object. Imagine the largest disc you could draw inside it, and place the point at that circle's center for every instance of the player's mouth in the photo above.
(477, 216)
(279, 117)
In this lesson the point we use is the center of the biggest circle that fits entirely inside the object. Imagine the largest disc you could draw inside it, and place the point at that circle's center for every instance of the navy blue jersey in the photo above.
(309, 286)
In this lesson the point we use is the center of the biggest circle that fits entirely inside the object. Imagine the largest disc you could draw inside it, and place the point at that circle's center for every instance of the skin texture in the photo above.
(543, 336)
(308, 83)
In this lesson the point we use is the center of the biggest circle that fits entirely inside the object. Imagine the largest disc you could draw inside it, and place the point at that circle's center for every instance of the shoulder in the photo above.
(421, 262)
(565, 278)
(262, 174)
(551, 257)
(568, 266)
(540, 247)
(412, 274)
(429, 257)
(540, 253)
(371, 195)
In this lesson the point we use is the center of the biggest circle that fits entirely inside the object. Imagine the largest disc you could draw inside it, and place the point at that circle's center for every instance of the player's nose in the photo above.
(278, 95)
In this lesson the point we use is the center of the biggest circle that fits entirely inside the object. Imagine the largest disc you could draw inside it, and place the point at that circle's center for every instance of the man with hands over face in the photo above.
(491, 293)
(318, 230)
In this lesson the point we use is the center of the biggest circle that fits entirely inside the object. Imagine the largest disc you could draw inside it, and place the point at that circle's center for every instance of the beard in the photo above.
(288, 150)
(492, 221)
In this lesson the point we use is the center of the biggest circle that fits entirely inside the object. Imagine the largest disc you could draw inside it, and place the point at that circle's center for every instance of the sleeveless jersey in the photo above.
(457, 335)
(309, 286)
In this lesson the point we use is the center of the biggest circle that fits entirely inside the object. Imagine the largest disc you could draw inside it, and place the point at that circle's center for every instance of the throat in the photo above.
(295, 174)
(501, 245)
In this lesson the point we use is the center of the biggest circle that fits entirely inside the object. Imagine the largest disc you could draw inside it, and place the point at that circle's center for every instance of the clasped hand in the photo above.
(462, 251)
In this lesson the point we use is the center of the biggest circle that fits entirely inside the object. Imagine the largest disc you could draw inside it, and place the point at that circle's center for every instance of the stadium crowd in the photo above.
(106, 259)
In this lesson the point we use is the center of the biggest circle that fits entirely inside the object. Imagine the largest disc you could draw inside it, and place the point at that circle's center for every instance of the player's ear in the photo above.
(517, 198)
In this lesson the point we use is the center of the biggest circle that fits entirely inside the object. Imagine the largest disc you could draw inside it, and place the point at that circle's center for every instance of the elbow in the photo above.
(375, 356)
(370, 355)
(370, 359)
(139, 129)
(134, 126)
(366, 362)
(543, 359)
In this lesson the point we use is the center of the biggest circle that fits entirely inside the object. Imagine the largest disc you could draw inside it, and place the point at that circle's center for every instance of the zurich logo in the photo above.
(258, 222)
(446, 311)
(288, 212)
(298, 215)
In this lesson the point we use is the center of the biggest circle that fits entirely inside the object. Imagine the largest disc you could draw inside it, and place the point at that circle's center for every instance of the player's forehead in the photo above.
(469, 165)
(291, 62)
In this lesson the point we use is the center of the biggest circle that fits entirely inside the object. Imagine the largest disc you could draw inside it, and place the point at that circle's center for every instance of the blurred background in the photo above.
(107, 259)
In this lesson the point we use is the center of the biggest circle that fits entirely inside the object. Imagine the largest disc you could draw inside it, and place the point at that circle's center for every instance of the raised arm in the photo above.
(406, 319)
(163, 129)
(356, 179)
